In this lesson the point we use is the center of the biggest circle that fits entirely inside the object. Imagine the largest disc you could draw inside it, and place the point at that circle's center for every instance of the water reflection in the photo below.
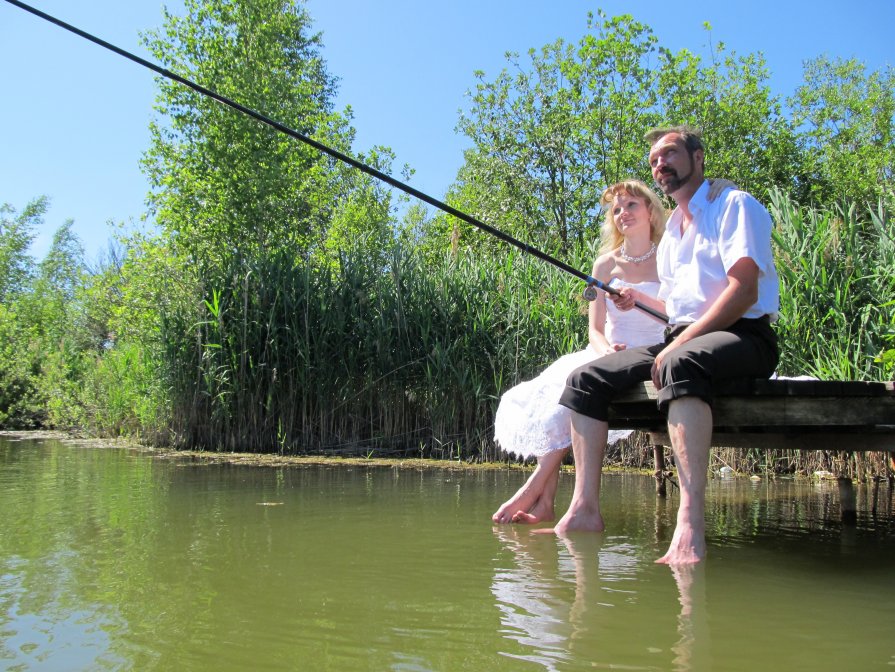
(532, 596)
(597, 600)
(121, 561)
(692, 651)
(579, 601)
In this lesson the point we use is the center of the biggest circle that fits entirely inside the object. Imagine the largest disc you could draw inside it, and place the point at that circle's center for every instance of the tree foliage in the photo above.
(41, 335)
(225, 185)
(549, 135)
(848, 119)
(16, 236)
(747, 135)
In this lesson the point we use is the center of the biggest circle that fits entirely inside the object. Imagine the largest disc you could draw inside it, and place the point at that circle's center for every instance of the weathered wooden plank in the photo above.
(855, 441)
(822, 412)
(780, 413)
(781, 387)
(750, 411)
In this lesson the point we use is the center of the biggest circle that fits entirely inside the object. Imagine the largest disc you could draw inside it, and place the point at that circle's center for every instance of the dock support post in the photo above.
(659, 473)
(848, 501)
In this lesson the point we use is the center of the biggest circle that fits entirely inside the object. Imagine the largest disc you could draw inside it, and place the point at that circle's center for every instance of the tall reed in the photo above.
(281, 355)
(837, 276)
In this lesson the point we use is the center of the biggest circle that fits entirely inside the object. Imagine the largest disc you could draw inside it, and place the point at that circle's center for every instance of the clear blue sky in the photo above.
(74, 116)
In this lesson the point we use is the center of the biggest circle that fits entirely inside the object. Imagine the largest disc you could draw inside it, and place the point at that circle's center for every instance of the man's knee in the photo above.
(682, 364)
(584, 393)
(683, 374)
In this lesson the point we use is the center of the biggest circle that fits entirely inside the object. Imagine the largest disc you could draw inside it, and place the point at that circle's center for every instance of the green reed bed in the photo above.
(837, 318)
(278, 354)
(284, 356)
(837, 275)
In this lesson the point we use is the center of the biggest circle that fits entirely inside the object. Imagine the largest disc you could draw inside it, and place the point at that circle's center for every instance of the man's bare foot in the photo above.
(578, 520)
(687, 547)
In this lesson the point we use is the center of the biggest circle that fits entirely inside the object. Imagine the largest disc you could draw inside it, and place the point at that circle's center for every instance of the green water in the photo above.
(114, 560)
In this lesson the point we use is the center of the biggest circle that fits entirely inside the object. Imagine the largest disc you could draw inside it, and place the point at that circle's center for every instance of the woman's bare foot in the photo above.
(524, 499)
(535, 497)
(541, 512)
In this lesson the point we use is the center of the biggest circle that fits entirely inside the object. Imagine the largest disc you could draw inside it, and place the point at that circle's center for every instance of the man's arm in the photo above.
(731, 305)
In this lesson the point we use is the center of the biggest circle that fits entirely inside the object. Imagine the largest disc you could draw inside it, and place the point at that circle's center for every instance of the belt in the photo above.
(673, 330)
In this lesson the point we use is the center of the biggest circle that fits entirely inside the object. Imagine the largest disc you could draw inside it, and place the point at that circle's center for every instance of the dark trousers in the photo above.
(746, 349)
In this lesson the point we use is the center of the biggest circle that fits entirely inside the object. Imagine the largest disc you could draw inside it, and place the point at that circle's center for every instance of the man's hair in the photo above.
(692, 137)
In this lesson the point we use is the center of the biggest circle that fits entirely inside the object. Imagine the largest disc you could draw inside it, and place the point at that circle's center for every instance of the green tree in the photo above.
(141, 287)
(60, 276)
(20, 404)
(225, 185)
(16, 236)
(748, 138)
(59, 336)
(362, 209)
(548, 136)
(40, 333)
(847, 117)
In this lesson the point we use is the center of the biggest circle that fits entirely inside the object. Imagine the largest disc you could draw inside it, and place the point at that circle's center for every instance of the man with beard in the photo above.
(721, 294)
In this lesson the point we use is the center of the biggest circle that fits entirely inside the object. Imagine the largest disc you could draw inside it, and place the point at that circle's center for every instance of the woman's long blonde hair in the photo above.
(609, 234)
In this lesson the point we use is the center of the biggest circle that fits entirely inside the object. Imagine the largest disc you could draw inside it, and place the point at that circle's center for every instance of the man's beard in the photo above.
(674, 181)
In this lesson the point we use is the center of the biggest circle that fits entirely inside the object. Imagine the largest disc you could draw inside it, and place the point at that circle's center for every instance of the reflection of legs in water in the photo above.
(531, 595)
(533, 502)
(584, 551)
(692, 651)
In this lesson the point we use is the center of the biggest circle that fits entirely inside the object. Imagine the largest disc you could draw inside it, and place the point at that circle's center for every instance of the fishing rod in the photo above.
(589, 292)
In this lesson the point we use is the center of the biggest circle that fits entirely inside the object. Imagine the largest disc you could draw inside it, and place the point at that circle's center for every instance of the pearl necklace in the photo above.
(641, 258)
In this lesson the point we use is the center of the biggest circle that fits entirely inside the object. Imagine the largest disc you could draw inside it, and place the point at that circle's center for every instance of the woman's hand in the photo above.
(614, 347)
(625, 298)
(716, 186)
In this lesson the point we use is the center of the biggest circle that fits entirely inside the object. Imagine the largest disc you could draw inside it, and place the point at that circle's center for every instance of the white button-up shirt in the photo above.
(693, 266)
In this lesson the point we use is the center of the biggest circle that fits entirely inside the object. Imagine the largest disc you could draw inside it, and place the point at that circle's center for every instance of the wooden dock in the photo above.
(780, 414)
(775, 414)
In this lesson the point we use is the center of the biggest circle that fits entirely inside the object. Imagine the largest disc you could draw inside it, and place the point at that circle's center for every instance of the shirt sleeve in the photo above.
(663, 269)
(745, 231)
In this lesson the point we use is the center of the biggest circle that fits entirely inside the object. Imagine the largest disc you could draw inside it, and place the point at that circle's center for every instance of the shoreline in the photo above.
(275, 460)
(264, 459)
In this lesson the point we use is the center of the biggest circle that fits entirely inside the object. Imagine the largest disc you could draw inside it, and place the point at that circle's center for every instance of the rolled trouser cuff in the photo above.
(747, 349)
(591, 388)
(683, 388)
(585, 403)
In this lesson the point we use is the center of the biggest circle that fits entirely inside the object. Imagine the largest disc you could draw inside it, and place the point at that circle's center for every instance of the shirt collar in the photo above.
(700, 200)
(698, 203)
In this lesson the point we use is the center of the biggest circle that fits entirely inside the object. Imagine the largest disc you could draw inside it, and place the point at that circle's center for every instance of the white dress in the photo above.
(529, 420)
